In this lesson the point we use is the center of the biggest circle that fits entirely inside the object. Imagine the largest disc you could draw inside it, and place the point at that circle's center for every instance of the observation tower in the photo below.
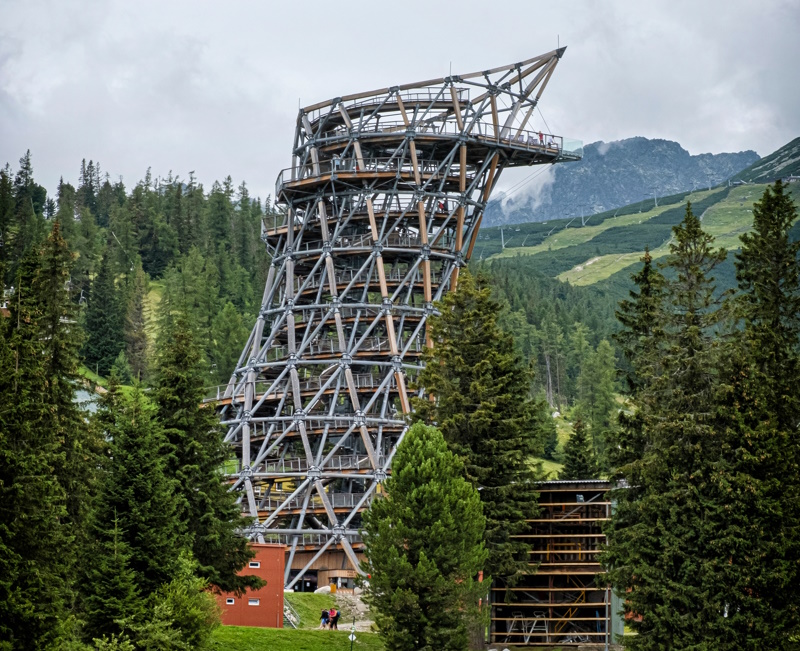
(378, 212)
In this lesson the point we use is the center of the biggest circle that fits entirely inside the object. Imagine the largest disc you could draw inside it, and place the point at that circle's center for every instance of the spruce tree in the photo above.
(579, 461)
(229, 336)
(196, 453)
(136, 488)
(34, 542)
(482, 405)
(640, 339)
(109, 586)
(136, 343)
(424, 548)
(596, 398)
(61, 339)
(760, 408)
(103, 321)
(768, 274)
(6, 220)
(671, 545)
(640, 317)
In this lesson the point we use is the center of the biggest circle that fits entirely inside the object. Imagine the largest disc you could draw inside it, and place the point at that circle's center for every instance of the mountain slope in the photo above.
(616, 174)
(604, 252)
(780, 164)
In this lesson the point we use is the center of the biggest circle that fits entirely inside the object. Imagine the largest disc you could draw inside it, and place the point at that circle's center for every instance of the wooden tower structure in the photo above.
(379, 210)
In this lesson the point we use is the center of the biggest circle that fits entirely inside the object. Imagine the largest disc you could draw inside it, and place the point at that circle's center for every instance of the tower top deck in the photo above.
(366, 134)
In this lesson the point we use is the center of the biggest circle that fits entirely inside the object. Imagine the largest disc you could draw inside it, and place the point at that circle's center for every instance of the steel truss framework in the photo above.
(381, 208)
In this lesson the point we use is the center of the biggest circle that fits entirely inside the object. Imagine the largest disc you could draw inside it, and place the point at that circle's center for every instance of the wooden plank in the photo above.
(414, 162)
(401, 389)
(313, 150)
(495, 118)
(486, 192)
(528, 90)
(402, 108)
(457, 108)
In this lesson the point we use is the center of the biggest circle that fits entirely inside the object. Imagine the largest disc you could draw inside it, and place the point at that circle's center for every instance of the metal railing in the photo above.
(305, 539)
(337, 501)
(428, 169)
(393, 203)
(449, 126)
(346, 276)
(338, 463)
(331, 346)
(391, 103)
(313, 384)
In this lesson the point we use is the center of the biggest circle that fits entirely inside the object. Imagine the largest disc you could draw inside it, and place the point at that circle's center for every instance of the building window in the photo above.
(253, 602)
(255, 564)
(229, 601)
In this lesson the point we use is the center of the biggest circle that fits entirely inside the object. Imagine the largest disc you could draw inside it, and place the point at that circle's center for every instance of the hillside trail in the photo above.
(353, 606)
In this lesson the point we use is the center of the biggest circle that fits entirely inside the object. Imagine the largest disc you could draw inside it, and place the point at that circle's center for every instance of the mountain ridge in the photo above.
(616, 174)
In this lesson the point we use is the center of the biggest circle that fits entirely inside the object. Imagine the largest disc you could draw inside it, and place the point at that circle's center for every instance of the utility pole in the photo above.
(502, 239)
(655, 196)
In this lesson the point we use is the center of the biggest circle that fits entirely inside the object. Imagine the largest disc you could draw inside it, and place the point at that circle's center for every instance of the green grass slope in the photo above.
(652, 229)
(241, 638)
(602, 254)
(309, 606)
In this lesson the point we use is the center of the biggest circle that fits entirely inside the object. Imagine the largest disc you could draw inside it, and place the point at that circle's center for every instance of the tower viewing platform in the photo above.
(379, 211)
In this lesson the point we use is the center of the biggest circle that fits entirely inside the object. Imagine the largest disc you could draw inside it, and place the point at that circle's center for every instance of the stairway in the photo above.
(290, 617)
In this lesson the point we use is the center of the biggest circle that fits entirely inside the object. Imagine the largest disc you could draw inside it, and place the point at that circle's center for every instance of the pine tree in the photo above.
(197, 451)
(579, 462)
(103, 324)
(483, 407)
(424, 545)
(136, 488)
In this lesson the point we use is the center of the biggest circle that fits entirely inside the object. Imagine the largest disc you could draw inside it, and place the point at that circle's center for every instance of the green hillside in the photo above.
(778, 165)
(607, 246)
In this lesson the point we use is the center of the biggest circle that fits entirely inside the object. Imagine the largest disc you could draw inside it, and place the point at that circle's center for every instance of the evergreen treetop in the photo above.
(579, 461)
(195, 454)
(424, 545)
(137, 490)
(482, 404)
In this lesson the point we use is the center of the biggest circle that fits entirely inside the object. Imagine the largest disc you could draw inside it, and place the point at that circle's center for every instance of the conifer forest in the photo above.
(126, 304)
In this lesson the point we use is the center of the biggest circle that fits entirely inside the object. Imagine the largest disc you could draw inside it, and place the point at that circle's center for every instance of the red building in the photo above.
(263, 607)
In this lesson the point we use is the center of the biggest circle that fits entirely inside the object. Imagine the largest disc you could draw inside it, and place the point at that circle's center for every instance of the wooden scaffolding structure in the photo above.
(564, 601)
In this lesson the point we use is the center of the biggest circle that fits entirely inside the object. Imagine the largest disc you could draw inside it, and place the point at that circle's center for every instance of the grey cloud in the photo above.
(214, 88)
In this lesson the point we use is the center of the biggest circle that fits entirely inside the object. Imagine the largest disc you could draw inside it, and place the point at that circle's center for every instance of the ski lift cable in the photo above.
(516, 188)
(541, 115)
(123, 249)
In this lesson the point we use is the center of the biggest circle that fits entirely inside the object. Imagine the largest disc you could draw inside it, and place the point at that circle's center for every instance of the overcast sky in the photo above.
(214, 86)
